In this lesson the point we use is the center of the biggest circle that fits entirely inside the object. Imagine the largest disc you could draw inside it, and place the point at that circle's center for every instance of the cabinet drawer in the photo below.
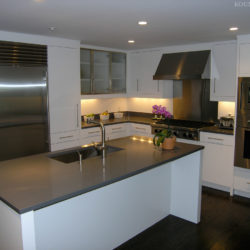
(214, 138)
(115, 128)
(90, 132)
(242, 184)
(64, 137)
(140, 129)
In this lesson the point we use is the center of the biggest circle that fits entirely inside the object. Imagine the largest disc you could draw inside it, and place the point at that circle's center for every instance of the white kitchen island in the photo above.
(109, 215)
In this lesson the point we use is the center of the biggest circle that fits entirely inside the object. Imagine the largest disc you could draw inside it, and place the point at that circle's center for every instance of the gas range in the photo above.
(183, 129)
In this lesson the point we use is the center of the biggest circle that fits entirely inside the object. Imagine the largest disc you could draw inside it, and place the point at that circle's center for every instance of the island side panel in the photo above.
(108, 216)
(186, 187)
(10, 229)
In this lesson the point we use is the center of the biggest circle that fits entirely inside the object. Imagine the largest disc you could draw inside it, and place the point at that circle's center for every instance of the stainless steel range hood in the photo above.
(180, 66)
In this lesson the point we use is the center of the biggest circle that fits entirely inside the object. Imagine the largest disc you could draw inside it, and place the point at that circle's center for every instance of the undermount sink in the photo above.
(73, 154)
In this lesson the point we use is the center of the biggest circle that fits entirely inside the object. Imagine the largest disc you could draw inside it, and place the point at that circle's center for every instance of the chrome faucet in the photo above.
(98, 146)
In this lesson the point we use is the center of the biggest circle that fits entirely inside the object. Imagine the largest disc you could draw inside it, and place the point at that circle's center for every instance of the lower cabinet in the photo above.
(218, 161)
(90, 135)
(116, 131)
(242, 182)
(62, 140)
(140, 129)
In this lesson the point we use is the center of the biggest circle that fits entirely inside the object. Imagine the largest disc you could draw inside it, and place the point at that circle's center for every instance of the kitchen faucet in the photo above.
(98, 146)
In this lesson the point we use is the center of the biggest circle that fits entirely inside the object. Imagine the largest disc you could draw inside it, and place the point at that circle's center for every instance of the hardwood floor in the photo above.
(225, 224)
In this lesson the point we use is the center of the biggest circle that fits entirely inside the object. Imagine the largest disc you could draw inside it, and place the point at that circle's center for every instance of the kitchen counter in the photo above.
(33, 182)
(216, 129)
(111, 199)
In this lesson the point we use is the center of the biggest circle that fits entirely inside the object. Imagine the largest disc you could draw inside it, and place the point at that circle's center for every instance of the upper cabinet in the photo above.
(244, 59)
(102, 72)
(223, 72)
(141, 68)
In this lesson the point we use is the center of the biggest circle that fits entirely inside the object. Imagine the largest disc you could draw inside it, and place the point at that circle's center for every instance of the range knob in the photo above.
(176, 133)
(185, 135)
(191, 135)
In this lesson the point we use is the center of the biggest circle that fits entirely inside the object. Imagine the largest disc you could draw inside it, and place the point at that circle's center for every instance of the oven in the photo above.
(242, 138)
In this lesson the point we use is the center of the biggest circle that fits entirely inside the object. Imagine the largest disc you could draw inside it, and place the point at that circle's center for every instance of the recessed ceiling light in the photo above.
(131, 41)
(233, 28)
(52, 28)
(142, 23)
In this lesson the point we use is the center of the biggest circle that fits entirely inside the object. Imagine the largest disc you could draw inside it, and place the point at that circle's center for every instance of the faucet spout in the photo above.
(102, 130)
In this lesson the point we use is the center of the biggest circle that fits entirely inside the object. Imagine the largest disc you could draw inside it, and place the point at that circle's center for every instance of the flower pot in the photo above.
(169, 143)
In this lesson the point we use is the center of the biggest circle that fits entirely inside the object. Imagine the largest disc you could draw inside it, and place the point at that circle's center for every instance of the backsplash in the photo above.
(97, 106)
(226, 108)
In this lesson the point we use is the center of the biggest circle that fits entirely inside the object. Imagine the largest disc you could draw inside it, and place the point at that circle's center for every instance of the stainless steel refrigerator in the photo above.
(23, 111)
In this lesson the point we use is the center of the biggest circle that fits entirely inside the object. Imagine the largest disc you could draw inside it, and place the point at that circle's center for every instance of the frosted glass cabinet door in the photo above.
(85, 59)
(118, 72)
(101, 82)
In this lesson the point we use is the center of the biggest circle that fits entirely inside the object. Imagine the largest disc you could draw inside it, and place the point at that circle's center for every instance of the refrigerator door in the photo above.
(23, 113)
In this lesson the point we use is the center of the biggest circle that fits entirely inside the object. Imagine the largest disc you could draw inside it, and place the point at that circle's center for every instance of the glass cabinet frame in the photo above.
(102, 72)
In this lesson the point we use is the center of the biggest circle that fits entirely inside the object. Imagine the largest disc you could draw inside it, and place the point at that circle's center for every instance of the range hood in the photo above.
(180, 66)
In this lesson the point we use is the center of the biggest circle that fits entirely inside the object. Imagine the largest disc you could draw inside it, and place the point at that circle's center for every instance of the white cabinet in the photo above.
(242, 182)
(141, 68)
(140, 129)
(217, 160)
(64, 96)
(90, 135)
(116, 131)
(223, 72)
(244, 59)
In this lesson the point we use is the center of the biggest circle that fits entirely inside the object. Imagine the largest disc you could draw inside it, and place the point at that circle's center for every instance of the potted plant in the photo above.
(165, 138)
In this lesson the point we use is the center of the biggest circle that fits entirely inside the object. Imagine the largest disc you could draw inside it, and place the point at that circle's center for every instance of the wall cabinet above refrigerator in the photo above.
(223, 72)
(102, 72)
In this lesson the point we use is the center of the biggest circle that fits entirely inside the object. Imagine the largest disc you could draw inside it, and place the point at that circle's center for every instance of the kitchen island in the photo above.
(47, 204)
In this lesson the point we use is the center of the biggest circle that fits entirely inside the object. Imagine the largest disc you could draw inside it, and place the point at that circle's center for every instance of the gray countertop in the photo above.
(33, 182)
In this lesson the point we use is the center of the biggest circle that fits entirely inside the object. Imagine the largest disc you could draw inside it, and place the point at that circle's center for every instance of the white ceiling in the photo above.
(111, 23)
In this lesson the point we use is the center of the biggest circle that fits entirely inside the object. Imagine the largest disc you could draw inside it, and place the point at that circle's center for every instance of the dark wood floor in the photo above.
(225, 224)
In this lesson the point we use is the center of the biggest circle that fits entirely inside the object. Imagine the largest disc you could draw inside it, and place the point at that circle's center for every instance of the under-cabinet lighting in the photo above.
(233, 28)
(131, 41)
(142, 23)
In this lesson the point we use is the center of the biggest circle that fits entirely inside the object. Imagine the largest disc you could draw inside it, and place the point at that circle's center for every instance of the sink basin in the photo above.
(73, 154)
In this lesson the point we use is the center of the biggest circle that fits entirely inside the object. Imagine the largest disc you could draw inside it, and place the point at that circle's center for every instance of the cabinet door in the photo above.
(64, 89)
(142, 67)
(85, 66)
(116, 131)
(118, 72)
(244, 59)
(101, 72)
(217, 160)
(223, 70)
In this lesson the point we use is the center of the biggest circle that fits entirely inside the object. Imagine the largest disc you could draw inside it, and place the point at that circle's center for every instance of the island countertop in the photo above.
(33, 182)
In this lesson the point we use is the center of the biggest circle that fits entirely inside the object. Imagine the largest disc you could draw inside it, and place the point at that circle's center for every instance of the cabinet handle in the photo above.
(217, 139)
(116, 128)
(140, 128)
(214, 84)
(65, 137)
(137, 85)
(77, 118)
(93, 132)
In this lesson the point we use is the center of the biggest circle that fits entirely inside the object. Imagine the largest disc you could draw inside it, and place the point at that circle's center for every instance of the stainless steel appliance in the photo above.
(242, 139)
(23, 100)
(192, 108)
(183, 129)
